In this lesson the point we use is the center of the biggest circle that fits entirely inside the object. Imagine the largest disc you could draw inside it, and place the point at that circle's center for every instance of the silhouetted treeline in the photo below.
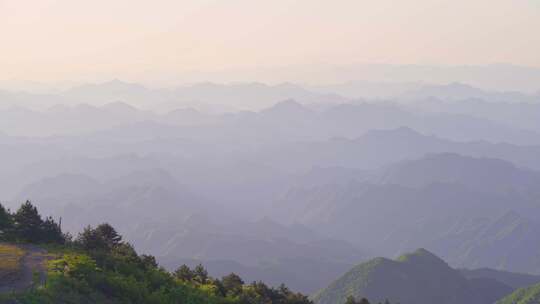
(27, 225)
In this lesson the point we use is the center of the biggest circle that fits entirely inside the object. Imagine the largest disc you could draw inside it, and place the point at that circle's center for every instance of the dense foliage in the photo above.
(99, 267)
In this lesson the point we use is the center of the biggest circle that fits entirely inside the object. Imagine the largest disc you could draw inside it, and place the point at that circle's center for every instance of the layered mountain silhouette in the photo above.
(272, 188)
(474, 212)
(482, 174)
(292, 113)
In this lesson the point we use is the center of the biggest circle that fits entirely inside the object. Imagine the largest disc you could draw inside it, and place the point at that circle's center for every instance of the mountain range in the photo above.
(492, 116)
(307, 183)
(476, 216)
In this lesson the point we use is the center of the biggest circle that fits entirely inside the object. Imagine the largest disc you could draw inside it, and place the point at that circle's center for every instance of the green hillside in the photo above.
(98, 266)
(416, 278)
(528, 295)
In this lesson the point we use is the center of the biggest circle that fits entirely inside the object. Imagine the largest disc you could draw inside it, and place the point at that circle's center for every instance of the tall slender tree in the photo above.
(28, 223)
(6, 223)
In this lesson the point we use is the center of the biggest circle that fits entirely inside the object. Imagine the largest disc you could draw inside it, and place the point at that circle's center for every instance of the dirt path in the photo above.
(34, 261)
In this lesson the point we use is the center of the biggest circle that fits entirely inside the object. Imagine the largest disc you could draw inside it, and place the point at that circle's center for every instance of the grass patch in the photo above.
(10, 260)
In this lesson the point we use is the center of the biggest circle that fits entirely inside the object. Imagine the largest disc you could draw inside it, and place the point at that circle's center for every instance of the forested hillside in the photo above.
(98, 266)
(415, 278)
(528, 295)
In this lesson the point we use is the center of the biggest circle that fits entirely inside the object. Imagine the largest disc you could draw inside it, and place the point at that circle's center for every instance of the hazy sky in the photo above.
(80, 40)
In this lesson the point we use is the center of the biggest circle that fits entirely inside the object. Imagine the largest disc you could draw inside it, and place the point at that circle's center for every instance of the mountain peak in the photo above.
(419, 277)
(420, 255)
(288, 106)
(119, 106)
(288, 103)
(401, 132)
(114, 85)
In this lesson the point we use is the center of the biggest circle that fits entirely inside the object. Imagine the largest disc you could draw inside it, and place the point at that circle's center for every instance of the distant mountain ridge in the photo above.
(474, 212)
(484, 174)
(338, 116)
(456, 91)
(512, 279)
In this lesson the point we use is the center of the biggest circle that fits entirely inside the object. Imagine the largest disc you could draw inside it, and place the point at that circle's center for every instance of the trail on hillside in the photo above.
(34, 261)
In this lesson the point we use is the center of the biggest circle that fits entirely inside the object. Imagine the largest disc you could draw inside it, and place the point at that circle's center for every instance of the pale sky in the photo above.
(47, 40)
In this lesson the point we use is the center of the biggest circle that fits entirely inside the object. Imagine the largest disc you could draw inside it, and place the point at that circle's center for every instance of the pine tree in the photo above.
(232, 284)
(51, 232)
(28, 223)
(104, 237)
(109, 235)
(90, 240)
(184, 273)
(6, 223)
(200, 273)
(352, 300)
(363, 301)
(148, 261)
